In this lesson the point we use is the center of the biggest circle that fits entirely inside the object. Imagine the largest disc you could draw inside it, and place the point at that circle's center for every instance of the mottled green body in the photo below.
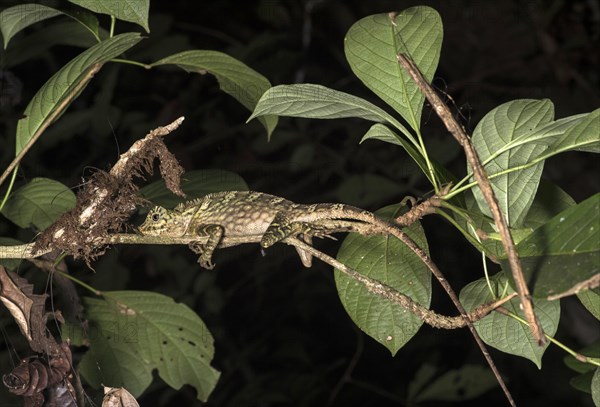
(237, 213)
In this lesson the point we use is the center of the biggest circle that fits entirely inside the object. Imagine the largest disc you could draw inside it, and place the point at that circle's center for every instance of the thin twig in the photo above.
(482, 180)
(385, 291)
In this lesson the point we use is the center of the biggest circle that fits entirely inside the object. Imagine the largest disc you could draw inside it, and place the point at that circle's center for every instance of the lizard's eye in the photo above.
(155, 217)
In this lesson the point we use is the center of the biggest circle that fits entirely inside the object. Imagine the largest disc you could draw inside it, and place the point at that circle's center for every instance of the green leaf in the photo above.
(596, 387)
(515, 191)
(235, 78)
(504, 332)
(466, 383)
(388, 260)
(549, 201)
(39, 203)
(371, 47)
(564, 251)
(89, 22)
(134, 11)
(195, 184)
(583, 136)
(63, 32)
(16, 18)
(320, 102)
(134, 332)
(52, 95)
(578, 132)
(383, 133)
(543, 135)
(591, 300)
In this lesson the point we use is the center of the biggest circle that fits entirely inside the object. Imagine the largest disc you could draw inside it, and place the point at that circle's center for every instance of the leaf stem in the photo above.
(113, 21)
(78, 281)
(460, 213)
(130, 62)
(10, 186)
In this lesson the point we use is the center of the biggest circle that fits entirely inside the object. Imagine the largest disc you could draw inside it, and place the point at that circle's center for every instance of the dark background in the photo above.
(281, 334)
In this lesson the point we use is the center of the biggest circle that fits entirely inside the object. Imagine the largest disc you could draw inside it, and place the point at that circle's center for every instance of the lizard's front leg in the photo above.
(214, 233)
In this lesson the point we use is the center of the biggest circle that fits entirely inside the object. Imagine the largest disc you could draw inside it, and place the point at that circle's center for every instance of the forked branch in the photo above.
(482, 180)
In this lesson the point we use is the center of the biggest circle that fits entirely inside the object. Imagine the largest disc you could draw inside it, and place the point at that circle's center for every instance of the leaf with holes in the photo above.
(389, 261)
(132, 333)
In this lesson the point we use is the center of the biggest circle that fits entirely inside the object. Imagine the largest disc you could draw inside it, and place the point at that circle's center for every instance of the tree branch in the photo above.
(482, 180)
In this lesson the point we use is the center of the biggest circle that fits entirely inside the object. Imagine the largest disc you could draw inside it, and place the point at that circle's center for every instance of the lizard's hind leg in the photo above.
(282, 227)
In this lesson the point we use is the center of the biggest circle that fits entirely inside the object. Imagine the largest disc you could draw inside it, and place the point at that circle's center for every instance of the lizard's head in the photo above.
(162, 222)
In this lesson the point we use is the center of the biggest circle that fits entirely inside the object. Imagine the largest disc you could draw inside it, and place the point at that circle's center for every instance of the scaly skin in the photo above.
(240, 213)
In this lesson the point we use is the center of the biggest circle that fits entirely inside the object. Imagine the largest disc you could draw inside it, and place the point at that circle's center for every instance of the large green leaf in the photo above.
(504, 332)
(235, 78)
(542, 135)
(371, 47)
(134, 11)
(39, 203)
(52, 95)
(388, 260)
(16, 18)
(132, 333)
(515, 191)
(320, 102)
(563, 252)
(195, 184)
(579, 132)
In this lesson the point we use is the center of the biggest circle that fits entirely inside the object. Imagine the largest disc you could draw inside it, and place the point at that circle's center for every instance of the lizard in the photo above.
(241, 213)
(249, 213)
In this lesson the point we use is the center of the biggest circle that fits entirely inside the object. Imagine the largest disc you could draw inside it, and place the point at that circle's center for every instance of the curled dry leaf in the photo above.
(17, 302)
(118, 397)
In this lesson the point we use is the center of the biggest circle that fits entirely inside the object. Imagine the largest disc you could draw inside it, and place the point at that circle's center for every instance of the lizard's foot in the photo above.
(206, 262)
(205, 258)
